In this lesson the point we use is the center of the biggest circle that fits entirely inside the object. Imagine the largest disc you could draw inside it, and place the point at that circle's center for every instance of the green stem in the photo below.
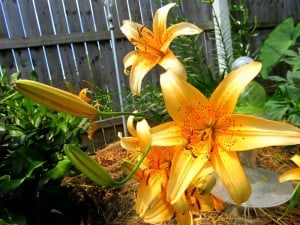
(95, 171)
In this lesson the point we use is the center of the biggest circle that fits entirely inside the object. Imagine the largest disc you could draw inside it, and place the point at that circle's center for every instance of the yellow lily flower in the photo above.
(293, 174)
(151, 203)
(152, 47)
(213, 133)
(154, 174)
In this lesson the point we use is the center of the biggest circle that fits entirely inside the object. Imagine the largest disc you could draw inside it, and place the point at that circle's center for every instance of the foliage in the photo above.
(281, 48)
(32, 159)
(190, 51)
(150, 101)
(277, 45)
(242, 29)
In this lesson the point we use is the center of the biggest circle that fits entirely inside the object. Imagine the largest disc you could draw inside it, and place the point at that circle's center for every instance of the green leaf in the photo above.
(8, 185)
(275, 109)
(61, 168)
(279, 40)
(293, 201)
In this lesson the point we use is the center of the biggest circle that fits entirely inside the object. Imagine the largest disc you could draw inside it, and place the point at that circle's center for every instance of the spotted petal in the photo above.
(225, 96)
(245, 132)
(183, 101)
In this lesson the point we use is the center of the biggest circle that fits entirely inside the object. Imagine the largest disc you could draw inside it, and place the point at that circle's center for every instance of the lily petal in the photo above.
(167, 134)
(150, 188)
(225, 96)
(144, 63)
(184, 169)
(128, 60)
(144, 133)
(185, 218)
(139, 35)
(176, 30)
(296, 160)
(245, 132)
(160, 20)
(171, 62)
(159, 212)
(293, 174)
(229, 169)
(183, 101)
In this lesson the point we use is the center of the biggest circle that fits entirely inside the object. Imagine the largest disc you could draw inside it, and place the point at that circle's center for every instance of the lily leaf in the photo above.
(293, 201)
(95, 171)
(8, 185)
(279, 40)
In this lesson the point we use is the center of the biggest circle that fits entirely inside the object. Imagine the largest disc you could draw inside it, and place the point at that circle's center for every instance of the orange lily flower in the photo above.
(151, 203)
(293, 174)
(153, 174)
(83, 95)
(152, 47)
(213, 133)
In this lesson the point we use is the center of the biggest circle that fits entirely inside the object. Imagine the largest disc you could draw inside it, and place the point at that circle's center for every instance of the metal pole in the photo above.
(115, 55)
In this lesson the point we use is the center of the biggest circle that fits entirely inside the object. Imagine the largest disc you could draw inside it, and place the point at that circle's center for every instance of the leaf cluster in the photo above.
(32, 161)
(282, 50)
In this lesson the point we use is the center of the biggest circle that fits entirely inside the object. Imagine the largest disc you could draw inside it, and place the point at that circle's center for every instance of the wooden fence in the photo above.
(71, 40)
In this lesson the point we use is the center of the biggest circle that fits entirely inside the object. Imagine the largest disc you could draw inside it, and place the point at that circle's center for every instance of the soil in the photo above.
(115, 206)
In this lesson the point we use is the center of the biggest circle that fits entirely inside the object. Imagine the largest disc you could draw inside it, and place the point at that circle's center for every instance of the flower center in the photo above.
(199, 141)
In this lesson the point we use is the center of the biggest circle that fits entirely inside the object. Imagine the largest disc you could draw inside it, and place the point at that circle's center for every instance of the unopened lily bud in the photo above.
(55, 98)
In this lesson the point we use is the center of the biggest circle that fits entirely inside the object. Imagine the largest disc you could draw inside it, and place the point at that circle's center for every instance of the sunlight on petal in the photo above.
(231, 173)
(225, 96)
(171, 62)
(296, 160)
(244, 132)
(167, 134)
(180, 98)
(159, 212)
(139, 70)
(184, 169)
(160, 20)
(290, 175)
(177, 30)
(150, 188)
(144, 133)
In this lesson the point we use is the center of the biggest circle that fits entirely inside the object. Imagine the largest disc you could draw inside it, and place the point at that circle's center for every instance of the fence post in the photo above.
(115, 55)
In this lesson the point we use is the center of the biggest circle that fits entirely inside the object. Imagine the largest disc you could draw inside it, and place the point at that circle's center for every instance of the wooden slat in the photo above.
(48, 40)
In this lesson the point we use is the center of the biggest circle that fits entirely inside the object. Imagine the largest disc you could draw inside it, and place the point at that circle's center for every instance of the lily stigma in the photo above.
(152, 47)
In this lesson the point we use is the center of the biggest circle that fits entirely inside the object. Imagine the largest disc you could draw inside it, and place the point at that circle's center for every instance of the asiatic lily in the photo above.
(153, 175)
(152, 47)
(213, 133)
(293, 174)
